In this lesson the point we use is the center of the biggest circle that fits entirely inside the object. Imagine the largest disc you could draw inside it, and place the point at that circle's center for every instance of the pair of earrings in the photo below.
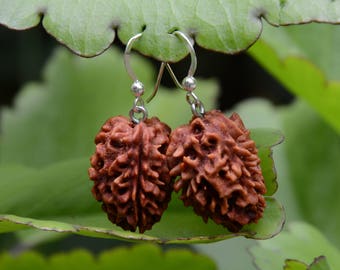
(138, 162)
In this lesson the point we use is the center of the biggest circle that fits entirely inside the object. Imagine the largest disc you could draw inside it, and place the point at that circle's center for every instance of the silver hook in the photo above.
(189, 45)
(138, 112)
(137, 87)
(189, 82)
(127, 56)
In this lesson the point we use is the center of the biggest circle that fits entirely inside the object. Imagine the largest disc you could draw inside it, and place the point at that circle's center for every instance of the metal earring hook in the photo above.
(189, 82)
(189, 45)
(136, 83)
(158, 82)
(127, 54)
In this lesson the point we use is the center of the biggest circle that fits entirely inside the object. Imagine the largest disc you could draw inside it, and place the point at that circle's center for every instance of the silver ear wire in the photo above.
(139, 112)
(189, 82)
(127, 54)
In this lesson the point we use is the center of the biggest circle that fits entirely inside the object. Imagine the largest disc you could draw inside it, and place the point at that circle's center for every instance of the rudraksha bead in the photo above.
(219, 169)
(130, 172)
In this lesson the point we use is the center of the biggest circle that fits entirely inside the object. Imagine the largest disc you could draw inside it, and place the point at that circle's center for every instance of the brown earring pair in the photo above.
(137, 160)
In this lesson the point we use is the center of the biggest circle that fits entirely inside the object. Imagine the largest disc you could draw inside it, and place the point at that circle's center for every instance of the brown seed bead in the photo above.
(130, 172)
(219, 170)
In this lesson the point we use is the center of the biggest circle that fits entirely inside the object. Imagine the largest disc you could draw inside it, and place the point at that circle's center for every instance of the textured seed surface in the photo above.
(219, 170)
(130, 172)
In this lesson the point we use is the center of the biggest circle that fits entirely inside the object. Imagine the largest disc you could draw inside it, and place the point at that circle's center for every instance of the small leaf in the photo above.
(265, 139)
(89, 27)
(319, 263)
(302, 242)
(268, 170)
(145, 256)
(294, 265)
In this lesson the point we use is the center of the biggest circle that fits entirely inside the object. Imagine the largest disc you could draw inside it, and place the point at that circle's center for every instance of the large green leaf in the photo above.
(301, 243)
(306, 60)
(89, 27)
(145, 256)
(57, 198)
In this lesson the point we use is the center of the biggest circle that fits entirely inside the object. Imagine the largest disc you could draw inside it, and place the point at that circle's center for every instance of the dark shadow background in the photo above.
(23, 55)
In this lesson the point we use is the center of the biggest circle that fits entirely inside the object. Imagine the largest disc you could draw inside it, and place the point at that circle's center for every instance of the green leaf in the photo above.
(61, 115)
(26, 261)
(303, 243)
(307, 163)
(151, 257)
(58, 198)
(319, 263)
(89, 27)
(313, 155)
(294, 265)
(310, 153)
(305, 60)
(77, 260)
(265, 139)
(145, 256)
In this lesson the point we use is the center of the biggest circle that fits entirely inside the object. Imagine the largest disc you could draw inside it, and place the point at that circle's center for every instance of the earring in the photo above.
(216, 161)
(129, 167)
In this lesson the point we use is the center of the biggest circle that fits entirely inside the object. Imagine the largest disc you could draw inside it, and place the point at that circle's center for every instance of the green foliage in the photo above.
(301, 244)
(64, 112)
(145, 256)
(57, 198)
(318, 149)
(49, 177)
(319, 263)
(305, 60)
(294, 265)
(308, 166)
(89, 27)
(309, 143)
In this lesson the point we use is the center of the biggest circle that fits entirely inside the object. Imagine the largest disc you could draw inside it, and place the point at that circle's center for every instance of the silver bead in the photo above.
(137, 88)
(189, 83)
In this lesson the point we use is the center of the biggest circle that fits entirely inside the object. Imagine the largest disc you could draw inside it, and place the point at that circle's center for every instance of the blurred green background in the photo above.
(288, 81)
